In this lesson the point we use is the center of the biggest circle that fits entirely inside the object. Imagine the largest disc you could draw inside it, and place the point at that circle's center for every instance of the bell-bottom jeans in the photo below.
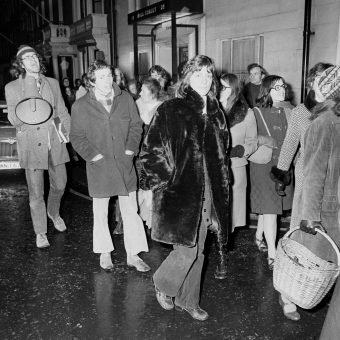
(35, 184)
(180, 273)
(134, 234)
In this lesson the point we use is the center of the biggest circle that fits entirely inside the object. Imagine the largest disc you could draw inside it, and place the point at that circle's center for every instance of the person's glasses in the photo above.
(223, 88)
(32, 56)
(278, 87)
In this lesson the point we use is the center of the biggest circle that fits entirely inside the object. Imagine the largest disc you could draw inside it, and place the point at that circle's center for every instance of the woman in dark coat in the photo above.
(264, 200)
(184, 156)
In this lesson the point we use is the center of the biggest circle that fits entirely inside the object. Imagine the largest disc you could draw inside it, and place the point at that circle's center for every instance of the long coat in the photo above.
(179, 138)
(33, 140)
(321, 190)
(321, 169)
(95, 131)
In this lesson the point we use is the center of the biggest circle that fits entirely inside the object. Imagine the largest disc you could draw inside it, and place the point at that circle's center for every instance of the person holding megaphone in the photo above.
(37, 110)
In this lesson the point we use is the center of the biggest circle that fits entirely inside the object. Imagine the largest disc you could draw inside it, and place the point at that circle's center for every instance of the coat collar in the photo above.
(116, 92)
(327, 105)
(100, 110)
(237, 112)
(196, 102)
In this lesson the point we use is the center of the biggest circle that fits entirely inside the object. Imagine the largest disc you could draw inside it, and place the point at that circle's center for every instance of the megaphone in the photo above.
(33, 109)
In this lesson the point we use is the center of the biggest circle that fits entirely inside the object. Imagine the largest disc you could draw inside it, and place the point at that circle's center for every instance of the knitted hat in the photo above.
(329, 83)
(24, 49)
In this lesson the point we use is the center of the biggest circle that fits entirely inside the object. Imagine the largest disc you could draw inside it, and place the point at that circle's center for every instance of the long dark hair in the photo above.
(234, 84)
(193, 65)
(17, 68)
(268, 82)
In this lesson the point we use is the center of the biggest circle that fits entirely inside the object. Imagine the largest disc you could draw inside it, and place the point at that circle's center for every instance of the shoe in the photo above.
(196, 313)
(105, 262)
(261, 245)
(164, 300)
(137, 262)
(42, 241)
(289, 314)
(58, 222)
(270, 263)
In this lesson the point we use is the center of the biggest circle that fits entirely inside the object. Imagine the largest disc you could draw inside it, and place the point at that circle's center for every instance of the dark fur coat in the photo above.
(180, 135)
(238, 111)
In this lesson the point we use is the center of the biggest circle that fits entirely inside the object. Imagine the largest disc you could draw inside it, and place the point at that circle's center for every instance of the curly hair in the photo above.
(90, 77)
(17, 68)
(315, 71)
(264, 99)
(193, 65)
(153, 85)
(162, 72)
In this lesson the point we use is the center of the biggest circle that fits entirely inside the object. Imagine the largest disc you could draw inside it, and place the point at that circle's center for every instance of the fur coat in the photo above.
(179, 137)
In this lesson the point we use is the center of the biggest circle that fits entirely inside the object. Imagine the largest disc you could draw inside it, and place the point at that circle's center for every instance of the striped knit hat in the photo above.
(329, 83)
(24, 49)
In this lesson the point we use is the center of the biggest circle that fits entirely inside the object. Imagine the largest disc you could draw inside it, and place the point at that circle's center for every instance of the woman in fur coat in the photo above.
(185, 159)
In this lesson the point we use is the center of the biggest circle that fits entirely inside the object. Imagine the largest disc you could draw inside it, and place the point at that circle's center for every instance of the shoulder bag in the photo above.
(264, 153)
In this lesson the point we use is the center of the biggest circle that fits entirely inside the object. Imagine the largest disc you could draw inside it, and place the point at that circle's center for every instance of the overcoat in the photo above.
(321, 170)
(179, 138)
(34, 140)
(95, 131)
(321, 190)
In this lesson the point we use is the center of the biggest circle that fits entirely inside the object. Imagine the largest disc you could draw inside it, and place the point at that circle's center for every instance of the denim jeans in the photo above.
(180, 273)
(35, 183)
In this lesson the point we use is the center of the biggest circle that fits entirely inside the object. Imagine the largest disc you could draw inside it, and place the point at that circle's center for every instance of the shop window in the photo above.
(143, 64)
(238, 53)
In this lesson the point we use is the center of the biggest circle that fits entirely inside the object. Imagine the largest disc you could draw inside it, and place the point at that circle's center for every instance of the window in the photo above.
(143, 63)
(98, 6)
(238, 53)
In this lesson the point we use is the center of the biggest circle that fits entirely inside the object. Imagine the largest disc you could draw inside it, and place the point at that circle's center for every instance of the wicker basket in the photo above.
(300, 275)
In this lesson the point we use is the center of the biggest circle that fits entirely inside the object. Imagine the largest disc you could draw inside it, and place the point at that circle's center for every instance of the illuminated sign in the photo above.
(149, 11)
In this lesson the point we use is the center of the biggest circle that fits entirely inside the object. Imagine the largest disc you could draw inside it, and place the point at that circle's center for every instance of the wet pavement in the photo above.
(61, 293)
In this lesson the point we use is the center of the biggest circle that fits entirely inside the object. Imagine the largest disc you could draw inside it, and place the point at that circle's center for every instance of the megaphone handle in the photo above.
(33, 105)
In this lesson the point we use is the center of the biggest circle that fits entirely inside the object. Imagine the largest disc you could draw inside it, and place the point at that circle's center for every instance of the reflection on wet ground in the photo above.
(61, 293)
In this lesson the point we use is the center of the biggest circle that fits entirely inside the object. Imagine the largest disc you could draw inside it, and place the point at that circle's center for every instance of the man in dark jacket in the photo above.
(106, 132)
(39, 147)
(252, 89)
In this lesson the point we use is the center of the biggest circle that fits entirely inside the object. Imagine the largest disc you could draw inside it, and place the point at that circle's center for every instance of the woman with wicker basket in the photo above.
(321, 190)
(319, 206)
(294, 140)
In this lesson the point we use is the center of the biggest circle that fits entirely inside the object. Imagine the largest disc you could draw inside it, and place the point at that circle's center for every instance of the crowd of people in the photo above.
(186, 157)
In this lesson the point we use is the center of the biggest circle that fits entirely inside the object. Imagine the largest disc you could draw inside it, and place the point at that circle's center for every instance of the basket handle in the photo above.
(335, 247)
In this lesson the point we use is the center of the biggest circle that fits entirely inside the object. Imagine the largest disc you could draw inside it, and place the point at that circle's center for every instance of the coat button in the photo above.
(39, 144)
(38, 128)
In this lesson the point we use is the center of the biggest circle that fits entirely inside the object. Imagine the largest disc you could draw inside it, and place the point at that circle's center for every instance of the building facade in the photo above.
(236, 33)
(136, 34)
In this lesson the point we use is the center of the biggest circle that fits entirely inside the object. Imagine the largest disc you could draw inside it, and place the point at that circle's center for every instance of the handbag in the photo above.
(264, 153)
